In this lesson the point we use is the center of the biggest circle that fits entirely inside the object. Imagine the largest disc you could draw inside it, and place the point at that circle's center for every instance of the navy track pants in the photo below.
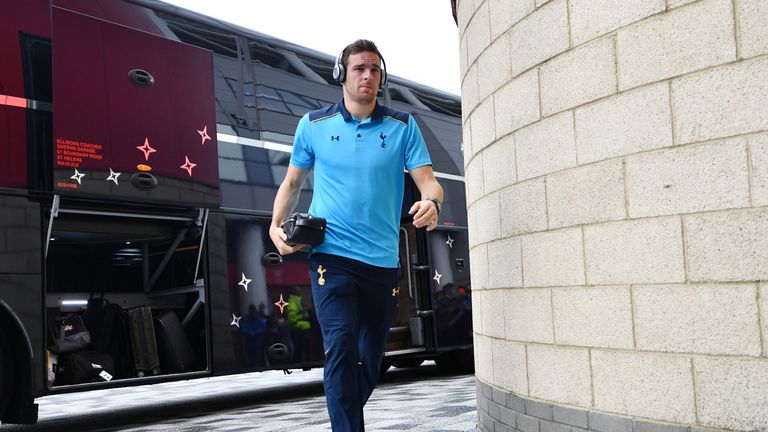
(354, 302)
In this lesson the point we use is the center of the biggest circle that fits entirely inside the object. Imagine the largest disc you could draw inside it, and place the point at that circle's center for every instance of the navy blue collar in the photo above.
(376, 117)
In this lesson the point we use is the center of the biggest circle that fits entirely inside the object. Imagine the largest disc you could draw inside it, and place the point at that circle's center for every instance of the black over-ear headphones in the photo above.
(340, 72)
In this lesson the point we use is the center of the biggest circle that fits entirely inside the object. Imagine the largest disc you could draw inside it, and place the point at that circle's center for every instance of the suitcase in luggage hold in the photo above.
(107, 323)
(176, 353)
(102, 318)
(143, 342)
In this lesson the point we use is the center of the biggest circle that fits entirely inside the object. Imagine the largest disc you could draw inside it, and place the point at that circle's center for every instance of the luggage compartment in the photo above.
(134, 278)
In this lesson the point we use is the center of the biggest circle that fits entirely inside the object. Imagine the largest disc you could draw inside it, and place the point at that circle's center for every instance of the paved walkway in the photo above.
(418, 400)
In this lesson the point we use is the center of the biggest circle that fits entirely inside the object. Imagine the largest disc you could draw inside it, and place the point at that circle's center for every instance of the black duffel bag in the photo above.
(68, 334)
(303, 228)
(84, 367)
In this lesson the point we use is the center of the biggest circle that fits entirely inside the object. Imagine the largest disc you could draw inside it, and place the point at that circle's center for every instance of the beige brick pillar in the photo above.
(616, 157)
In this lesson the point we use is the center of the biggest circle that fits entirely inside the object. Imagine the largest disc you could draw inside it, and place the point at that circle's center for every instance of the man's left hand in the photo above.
(424, 214)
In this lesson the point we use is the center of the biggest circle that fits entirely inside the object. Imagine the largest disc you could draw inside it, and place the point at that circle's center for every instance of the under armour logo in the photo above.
(383, 137)
(334, 138)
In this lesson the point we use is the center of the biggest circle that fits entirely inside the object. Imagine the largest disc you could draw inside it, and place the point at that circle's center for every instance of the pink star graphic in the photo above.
(281, 304)
(146, 149)
(204, 135)
(188, 165)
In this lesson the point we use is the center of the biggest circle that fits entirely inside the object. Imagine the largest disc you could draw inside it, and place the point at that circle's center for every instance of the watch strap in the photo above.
(437, 203)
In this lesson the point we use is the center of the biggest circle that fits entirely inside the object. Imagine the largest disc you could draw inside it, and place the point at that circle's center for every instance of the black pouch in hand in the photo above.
(303, 228)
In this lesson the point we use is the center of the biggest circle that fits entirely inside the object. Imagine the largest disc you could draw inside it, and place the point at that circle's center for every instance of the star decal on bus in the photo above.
(281, 304)
(113, 176)
(188, 165)
(235, 321)
(437, 277)
(146, 149)
(449, 242)
(244, 282)
(204, 135)
(78, 176)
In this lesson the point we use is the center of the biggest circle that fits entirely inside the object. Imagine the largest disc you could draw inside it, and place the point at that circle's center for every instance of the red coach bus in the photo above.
(142, 146)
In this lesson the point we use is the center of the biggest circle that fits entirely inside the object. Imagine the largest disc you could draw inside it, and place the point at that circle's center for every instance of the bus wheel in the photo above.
(6, 374)
(408, 362)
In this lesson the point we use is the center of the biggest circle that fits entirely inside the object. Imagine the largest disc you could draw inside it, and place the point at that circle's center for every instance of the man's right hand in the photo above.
(285, 200)
(278, 236)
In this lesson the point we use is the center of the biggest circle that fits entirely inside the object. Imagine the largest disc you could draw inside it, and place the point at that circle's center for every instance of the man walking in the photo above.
(358, 150)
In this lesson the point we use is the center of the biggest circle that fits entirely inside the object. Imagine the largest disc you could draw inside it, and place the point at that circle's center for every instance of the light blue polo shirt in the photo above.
(358, 177)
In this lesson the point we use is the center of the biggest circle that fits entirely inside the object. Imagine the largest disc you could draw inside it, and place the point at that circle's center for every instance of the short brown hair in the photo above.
(358, 46)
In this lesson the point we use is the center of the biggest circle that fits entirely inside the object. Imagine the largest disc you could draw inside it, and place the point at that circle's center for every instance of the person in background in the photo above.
(253, 326)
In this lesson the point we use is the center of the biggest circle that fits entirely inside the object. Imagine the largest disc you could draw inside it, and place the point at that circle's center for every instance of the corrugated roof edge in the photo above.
(276, 42)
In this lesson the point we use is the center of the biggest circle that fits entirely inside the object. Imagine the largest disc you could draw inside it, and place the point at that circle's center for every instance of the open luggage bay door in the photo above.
(134, 116)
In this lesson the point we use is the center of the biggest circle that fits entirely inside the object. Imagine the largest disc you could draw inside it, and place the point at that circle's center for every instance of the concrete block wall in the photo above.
(616, 153)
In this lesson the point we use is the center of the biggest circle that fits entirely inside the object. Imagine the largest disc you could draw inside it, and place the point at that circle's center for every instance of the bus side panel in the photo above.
(20, 242)
(19, 17)
(13, 141)
(449, 258)
(27, 16)
(124, 13)
(451, 289)
(265, 301)
(222, 349)
(119, 112)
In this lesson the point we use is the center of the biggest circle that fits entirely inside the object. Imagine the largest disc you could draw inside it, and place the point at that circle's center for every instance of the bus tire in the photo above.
(408, 362)
(17, 403)
(6, 373)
